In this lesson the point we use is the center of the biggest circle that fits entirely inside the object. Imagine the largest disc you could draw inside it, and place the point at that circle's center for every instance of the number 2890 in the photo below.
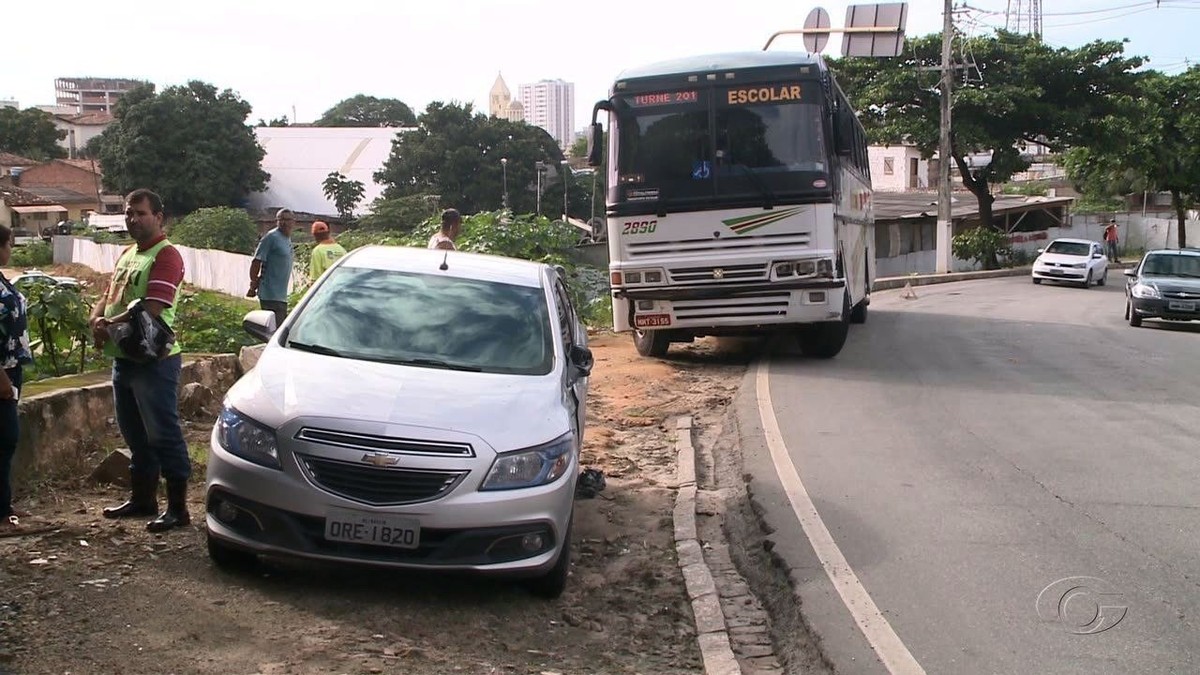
(639, 227)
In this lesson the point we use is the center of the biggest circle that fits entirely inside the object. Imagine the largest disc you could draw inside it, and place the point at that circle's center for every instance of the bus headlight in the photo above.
(825, 267)
(799, 268)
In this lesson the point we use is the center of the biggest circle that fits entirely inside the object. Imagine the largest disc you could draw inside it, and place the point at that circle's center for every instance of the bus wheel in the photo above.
(823, 340)
(651, 342)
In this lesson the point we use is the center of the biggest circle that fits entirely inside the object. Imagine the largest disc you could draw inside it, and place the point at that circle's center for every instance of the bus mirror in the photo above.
(595, 144)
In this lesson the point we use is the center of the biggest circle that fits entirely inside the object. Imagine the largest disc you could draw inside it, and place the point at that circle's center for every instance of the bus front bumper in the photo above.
(699, 309)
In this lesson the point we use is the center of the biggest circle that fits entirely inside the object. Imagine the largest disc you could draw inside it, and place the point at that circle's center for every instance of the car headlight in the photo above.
(1079, 265)
(247, 439)
(532, 466)
(1140, 290)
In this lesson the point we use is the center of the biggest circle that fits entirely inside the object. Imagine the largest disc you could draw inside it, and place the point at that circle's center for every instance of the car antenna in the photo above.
(443, 267)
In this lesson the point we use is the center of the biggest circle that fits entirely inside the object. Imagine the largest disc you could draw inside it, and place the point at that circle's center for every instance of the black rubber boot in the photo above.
(142, 502)
(176, 514)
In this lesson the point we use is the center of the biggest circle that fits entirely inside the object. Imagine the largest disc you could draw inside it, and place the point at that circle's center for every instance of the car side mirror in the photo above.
(1131, 272)
(260, 324)
(1041, 250)
(581, 360)
(1097, 256)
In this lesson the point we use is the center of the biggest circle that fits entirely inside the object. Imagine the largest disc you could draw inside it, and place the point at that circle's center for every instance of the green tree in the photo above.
(275, 122)
(219, 227)
(190, 144)
(1153, 145)
(399, 214)
(30, 133)
(345, 193)
(368, 111)
(1020, 89)
(455, 153)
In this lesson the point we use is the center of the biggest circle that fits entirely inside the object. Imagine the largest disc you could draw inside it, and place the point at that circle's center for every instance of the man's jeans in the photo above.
(147, 402)
(1112, 251)
(279, 307)
(9, 434)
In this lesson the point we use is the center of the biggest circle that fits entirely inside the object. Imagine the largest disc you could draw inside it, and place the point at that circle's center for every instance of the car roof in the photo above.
(1070, 240)
(1174, 251)
(459, 264)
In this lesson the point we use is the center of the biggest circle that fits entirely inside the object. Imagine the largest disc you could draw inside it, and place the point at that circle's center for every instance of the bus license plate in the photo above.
(376, 529)
(1181, 306)
(651, 320)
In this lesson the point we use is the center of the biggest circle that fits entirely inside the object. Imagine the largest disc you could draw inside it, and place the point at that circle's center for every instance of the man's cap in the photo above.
(320, 227)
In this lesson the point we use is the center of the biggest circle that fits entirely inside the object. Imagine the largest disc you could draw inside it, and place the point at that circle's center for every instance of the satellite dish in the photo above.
(815, 42)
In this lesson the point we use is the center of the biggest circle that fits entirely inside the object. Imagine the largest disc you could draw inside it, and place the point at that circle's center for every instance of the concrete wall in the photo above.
(59, 428)
(900, 158)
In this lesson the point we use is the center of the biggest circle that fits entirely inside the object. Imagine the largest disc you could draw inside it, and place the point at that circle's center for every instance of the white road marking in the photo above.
(875, 628)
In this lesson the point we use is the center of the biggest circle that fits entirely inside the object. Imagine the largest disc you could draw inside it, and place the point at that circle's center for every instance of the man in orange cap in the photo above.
(325, 252)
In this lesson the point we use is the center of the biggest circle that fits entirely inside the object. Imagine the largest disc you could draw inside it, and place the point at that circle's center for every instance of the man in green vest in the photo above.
(325, 252)
(146, 394)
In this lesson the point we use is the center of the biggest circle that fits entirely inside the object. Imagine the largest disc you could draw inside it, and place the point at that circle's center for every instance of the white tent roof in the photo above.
(299, 159)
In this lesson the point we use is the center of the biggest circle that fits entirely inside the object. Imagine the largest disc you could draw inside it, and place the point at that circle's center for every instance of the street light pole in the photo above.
(540, 167)
(504, 170)
(566, 167)
(945, 217)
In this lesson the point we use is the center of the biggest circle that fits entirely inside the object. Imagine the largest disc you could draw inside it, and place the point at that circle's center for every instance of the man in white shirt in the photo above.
(451, 226)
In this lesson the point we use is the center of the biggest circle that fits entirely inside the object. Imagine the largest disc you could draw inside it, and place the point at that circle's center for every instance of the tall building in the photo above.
(9, 103)
(501, 103)
(91, 94)
(550, 104)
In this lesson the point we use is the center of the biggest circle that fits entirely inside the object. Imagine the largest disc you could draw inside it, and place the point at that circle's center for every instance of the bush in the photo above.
(982, 245)
(211, 322)
(35, 254)
(220, 227)
(58, 330)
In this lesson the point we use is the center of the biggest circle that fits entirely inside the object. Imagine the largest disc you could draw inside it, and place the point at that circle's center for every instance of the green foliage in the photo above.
(30, 133)
(1026, 91)
(343, 192)
(982, 245)
(455, 153)
(190, 144)
(1036, 189)
(1153, 144)
(399, 214)
(58, 329)
(275, 122)
(220, 228)
(211, 322)
(34, 254)
(578, 149)
(368, 111)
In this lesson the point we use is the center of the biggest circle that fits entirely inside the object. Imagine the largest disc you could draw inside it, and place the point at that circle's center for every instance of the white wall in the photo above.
(900, 156)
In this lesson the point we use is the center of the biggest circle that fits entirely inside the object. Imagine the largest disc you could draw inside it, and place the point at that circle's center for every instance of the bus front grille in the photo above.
(756, 306)
(719, 244)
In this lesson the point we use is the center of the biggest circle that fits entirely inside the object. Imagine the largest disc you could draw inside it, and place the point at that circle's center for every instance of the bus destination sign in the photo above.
(662, 98)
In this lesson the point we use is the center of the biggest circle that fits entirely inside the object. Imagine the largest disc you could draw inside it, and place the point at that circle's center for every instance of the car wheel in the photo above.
(1134, 319)
(229, 558)
(652, 342)
(554, 582)
(1103, 279)
(1036, 281)
(1087, 283)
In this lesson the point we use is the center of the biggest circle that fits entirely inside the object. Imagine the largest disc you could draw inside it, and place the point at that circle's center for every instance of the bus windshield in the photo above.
(729, 144)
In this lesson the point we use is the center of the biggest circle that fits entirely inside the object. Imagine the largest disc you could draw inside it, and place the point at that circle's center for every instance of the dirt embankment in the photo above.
(83, 595)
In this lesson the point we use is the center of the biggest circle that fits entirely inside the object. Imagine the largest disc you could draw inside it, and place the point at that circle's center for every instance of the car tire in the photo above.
(1036, 281)
(229, 558)
(1103, 279)
(1087, 283)
(653, 343)
(552, 584)
(1134, 319)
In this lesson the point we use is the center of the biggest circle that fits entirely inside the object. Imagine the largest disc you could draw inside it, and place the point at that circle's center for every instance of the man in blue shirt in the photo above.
(272, 266)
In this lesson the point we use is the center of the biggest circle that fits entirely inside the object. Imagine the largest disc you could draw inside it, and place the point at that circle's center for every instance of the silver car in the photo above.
(418, 409)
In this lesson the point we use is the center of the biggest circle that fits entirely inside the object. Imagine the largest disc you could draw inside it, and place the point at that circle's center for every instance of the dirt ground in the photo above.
(79, 594)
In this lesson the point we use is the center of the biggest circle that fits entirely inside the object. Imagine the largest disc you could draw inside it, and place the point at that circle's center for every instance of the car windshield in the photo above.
(1172, 265)
(427, 320)
(1069, 248)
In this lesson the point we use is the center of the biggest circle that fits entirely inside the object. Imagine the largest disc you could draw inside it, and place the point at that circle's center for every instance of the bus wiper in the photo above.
(768, 196)
(316, 349)
(434, 363)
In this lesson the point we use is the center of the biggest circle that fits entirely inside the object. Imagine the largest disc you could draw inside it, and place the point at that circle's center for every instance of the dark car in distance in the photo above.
(1164, 285)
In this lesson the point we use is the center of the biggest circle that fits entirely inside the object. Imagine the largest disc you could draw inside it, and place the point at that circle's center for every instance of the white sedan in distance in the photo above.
(1078, 261)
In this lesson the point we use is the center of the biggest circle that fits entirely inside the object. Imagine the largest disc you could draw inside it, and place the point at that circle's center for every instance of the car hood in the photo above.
(1172, 284)
(1062, 259)
(506, 411)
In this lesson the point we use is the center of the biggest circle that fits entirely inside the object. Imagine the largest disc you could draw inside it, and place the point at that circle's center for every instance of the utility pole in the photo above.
(945, 221)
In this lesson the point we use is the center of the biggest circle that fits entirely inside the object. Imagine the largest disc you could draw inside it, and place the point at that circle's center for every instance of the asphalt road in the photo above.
(974, 446)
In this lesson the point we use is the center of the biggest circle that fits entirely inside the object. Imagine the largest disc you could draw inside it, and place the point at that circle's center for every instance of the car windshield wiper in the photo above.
(316, 349)
(433, 363)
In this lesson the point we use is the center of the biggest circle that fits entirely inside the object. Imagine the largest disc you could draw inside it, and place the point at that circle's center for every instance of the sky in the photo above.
(299, 59)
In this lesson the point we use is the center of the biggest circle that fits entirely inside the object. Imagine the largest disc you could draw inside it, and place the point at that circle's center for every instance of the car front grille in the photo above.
(371, 443)
(380, 486)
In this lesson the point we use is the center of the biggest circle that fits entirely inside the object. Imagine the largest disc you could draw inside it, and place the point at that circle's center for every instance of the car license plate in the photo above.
(377, 529)
(651, 320)
(1180, 306)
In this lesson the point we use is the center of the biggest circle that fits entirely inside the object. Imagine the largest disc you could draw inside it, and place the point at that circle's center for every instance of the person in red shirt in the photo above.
(1110, 240)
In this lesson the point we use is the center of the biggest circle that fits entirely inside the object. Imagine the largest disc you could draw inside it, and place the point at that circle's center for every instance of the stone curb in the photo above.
(711, 632)
(886, 283)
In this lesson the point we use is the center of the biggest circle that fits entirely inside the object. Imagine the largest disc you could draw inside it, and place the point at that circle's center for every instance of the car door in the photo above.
(573, 334)
(1098, 262)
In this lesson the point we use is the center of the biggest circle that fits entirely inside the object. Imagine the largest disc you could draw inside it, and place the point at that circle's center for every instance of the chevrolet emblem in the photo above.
(718, 273)
(379, 459)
